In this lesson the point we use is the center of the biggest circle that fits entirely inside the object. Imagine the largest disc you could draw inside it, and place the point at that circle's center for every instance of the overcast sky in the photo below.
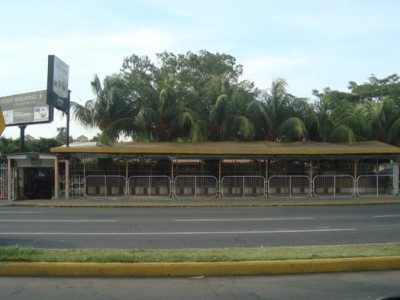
(311, 44)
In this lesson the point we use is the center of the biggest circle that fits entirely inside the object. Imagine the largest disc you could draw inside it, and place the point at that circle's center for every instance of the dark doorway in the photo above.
(38, 183)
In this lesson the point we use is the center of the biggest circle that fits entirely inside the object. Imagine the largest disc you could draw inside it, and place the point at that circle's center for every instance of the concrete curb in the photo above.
(189, 269)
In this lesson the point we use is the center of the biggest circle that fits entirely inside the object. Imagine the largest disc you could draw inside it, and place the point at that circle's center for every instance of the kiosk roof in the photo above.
(261, 148)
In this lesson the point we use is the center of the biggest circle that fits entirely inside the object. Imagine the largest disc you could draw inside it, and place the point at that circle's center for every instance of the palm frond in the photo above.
(96, 85)
(105, 139)
(393, 136)
(293, 129)
(84, 114)
(342, 134)
(241, 127)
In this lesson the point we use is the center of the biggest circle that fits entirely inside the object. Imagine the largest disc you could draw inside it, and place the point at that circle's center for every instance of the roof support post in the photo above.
(173, 194)
(355, 177)
(266, 178)
(84, 178)
(67, 181)
(126, 178)
(9, 180)
(311, 179)
(219, 178)
(395, 166)
(56, 179)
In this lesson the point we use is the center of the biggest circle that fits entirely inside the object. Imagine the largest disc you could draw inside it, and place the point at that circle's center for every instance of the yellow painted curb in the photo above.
(197, 268)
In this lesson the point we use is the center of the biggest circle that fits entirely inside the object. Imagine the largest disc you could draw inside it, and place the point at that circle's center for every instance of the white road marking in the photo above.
(20, 212)
(182, 233)
(240, 220)
(59, 221)
(387, 216)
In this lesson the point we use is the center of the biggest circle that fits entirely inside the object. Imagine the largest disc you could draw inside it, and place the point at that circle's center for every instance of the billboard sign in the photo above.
(57, 83)
(27, 108)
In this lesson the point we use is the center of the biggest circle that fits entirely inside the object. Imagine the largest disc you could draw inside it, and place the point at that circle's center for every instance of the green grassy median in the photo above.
(28, 254)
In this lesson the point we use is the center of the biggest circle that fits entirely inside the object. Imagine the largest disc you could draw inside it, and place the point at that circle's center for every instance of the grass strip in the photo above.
(29, 254)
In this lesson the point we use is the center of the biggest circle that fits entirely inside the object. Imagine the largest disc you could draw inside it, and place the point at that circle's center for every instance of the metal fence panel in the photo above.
(149, 186)
(196, 186)
(289, 186)
(239, 178)
(243, 186)
(374, 185)
(334, 185)
(105, 186)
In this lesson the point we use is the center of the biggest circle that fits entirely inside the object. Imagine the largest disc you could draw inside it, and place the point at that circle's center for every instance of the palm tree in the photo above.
(168, 117)
(333, 119)
(379, 106)
(231, 114)
(284, 114)
(382, 119)
(110, 106)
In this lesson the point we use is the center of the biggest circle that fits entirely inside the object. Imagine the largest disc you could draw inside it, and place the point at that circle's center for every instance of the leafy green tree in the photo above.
(198, 74)
(8, 146)
(164, 104)
(198, 96)
(61, 136)
(42, 145)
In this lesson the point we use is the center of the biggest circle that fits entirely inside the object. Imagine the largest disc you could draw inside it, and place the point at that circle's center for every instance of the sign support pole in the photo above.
(22, 138)
(68, 115)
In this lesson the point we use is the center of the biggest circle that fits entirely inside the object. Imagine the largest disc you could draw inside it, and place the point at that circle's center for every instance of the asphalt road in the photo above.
(338, 286)
(198, 227)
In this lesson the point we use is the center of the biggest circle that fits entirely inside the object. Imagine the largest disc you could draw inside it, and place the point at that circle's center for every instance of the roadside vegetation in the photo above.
(27, 254)
(202, 97)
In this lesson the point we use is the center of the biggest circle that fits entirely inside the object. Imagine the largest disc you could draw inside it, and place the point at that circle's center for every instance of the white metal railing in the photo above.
(243, 186)
(289, 186)
(196, 186)
(374, 185)
(149, 186)
(105, 186)
(334, 185)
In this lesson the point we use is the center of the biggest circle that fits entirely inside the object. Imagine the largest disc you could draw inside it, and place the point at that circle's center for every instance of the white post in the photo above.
(9, 179)
(56, 179)
(395, 167)
(67, 183)
(355, 186)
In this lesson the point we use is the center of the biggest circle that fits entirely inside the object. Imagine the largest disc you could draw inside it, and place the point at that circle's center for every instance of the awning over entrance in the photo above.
(33, 159)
